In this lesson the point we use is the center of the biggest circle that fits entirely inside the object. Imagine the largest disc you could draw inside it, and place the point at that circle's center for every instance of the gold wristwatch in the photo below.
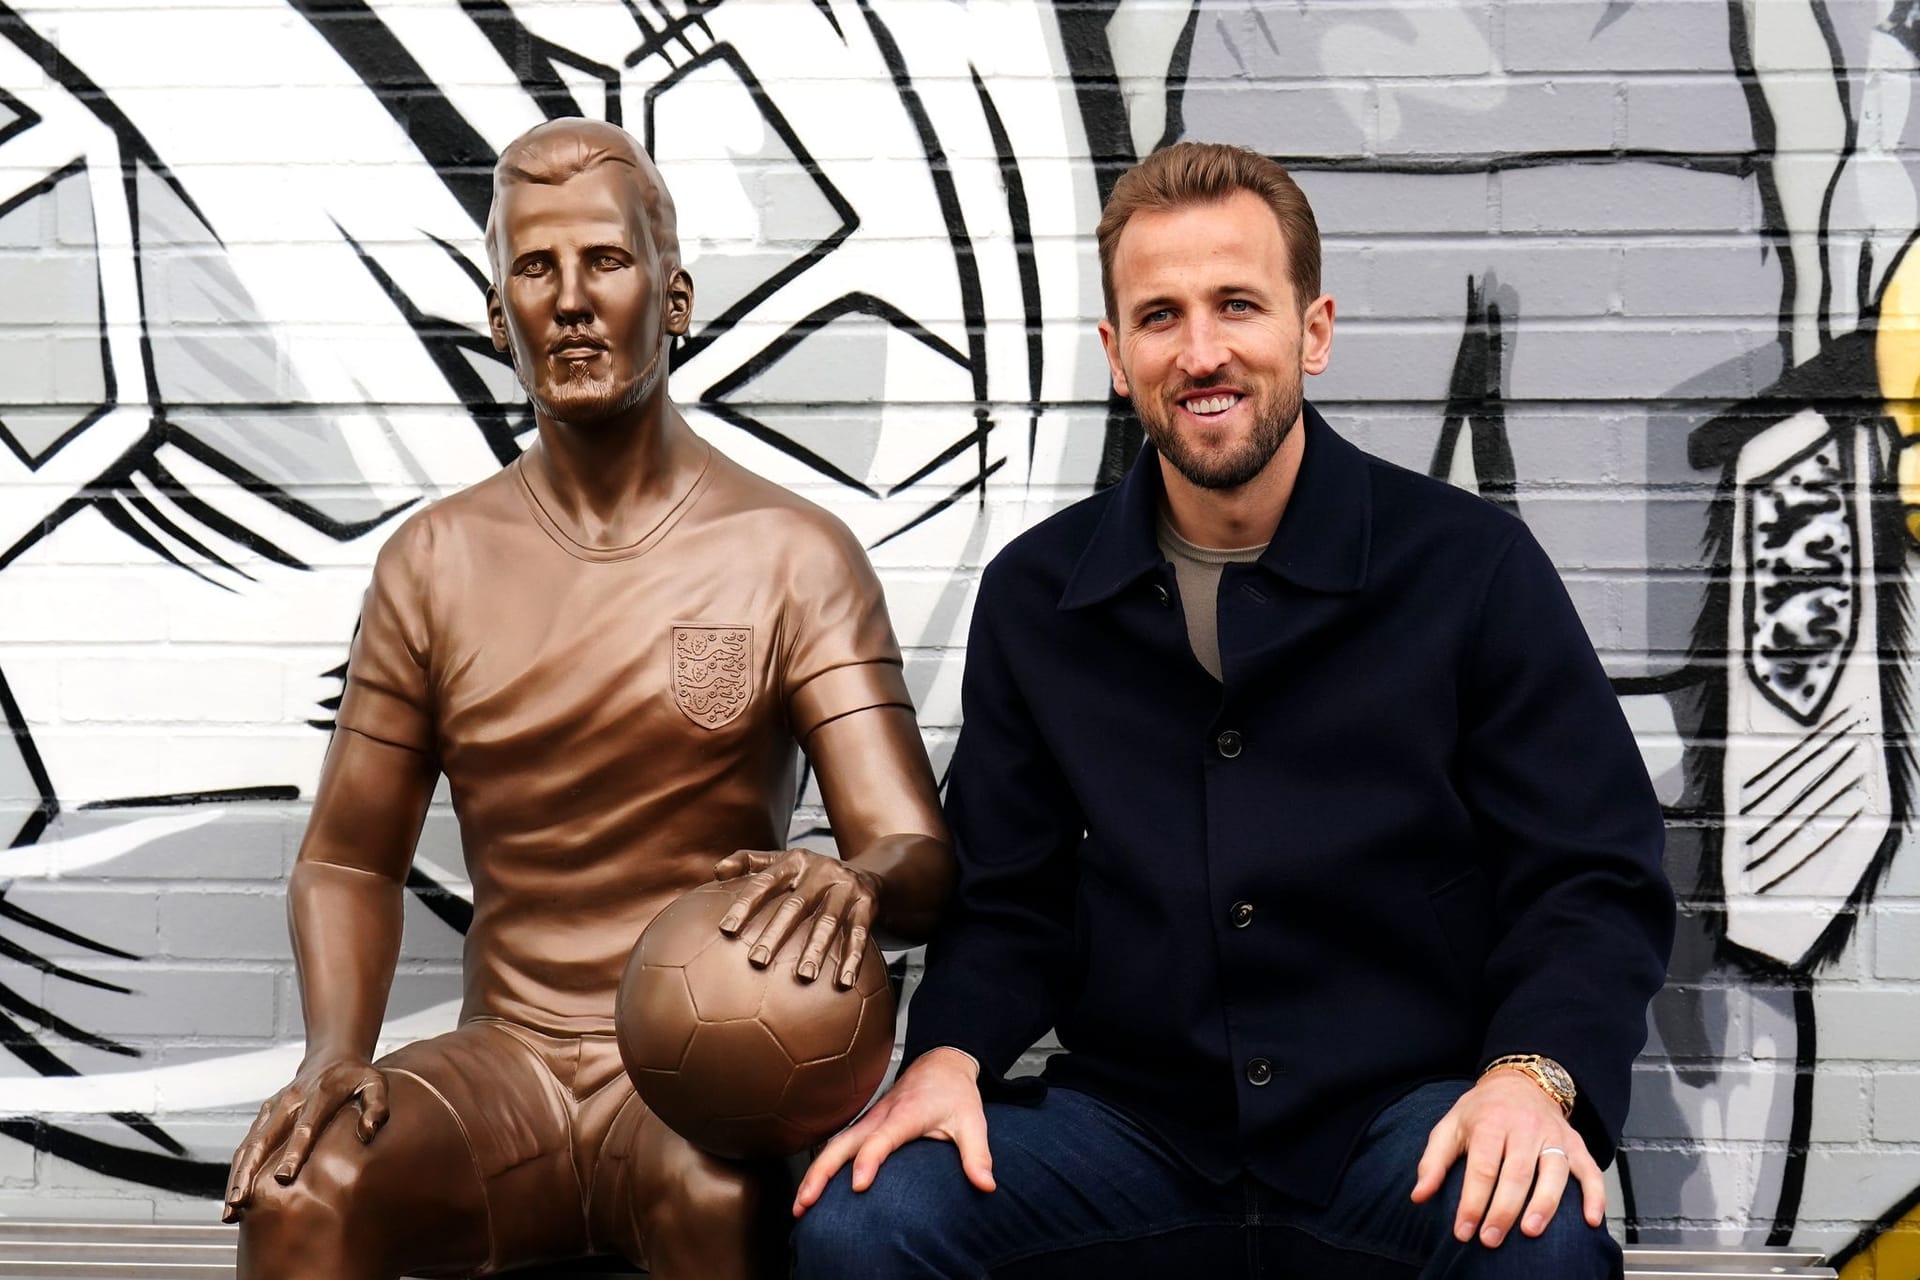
(1543, 1071)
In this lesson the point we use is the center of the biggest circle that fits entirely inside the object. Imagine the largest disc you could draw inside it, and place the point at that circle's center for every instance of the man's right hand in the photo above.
(294, 1117)
(937, 1097)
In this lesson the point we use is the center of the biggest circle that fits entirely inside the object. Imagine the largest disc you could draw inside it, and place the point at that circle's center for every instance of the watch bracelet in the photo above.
(1528, 1064)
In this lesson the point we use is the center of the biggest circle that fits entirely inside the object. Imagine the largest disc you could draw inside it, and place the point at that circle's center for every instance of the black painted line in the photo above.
(474, 275)
(202, 1179)
(158, 522)
(1846, 824)
(68, 76)
(21, 1007)
(48, 807)
(1793, 1178)
(784, 130)
(26, 1046)
(1733, 164)
(149, 1130)
(1808, 820)
(228, 795)
(25, 117)
(21, 955)
(461, 158)
(826, 11)
(791, 448)
(670, 31)
(515, 45)
(847, 304)
(1811, 735)
(1850, 143)
(115, 513)
(1832, 739)
(608, 77)
(198, 508)
(42, 186)
(1766, 146)
(940, 171)
(976, 482)
(20, 915)
(939, 460)
(1680, 678)
(1175, 85)
(227, 468)
(488, 414)
(452, 910)
(1020, 219)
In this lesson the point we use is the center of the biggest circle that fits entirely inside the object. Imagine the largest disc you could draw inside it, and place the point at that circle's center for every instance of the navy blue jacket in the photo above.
(1409, 831)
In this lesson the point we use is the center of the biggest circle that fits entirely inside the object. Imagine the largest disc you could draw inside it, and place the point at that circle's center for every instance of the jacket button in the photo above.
(1259, 1071)
(1164, 596)
(1228, 744)
(1241, 913)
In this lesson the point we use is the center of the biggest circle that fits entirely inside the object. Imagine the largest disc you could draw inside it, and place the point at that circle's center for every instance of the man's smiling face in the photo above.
(1208, 339)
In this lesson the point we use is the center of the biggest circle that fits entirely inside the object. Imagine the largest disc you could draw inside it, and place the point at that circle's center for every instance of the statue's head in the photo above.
(587, 284)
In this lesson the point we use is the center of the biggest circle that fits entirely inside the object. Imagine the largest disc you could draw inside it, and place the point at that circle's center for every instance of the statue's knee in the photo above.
(316, 1206)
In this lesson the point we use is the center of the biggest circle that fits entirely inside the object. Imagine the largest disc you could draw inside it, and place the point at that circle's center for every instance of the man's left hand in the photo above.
(843, 900)
(1513, 1137)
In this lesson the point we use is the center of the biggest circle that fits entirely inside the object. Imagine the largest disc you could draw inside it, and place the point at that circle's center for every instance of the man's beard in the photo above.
(580, 397)
(1241, 462)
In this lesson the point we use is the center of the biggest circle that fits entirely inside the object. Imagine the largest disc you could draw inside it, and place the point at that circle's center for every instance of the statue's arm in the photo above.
(885, 811)
(344, 905)
(345, 896)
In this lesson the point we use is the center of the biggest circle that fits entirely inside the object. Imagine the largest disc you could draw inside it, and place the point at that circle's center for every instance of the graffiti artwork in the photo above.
(1637, 271)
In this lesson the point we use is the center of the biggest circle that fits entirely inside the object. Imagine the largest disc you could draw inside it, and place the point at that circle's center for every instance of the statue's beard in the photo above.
(581, 395)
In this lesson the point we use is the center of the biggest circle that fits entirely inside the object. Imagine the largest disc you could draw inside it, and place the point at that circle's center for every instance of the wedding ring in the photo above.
(1559, 1151)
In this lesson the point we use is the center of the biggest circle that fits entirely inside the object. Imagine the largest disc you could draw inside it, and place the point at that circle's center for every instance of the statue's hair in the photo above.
(560, 150)
(1190, 173)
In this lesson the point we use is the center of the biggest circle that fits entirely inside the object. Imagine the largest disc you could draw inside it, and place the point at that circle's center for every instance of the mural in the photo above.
(1637, 271)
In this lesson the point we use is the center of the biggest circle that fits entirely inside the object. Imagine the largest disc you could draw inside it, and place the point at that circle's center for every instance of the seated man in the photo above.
(1291, 793)
(611, 649)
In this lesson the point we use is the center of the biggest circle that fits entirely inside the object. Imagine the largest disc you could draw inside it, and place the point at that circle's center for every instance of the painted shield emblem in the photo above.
(712, 673)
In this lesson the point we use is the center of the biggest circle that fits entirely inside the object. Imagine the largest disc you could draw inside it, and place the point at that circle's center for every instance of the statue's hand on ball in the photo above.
(842, 901)
(726, 1030)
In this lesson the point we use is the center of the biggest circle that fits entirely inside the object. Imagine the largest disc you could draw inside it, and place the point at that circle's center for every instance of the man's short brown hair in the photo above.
(1189, 173)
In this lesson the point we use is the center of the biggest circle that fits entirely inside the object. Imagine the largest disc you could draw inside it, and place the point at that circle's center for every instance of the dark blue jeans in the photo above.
(1085, 1192)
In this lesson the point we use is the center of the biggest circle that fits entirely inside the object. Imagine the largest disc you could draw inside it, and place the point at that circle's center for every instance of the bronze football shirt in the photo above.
(624, 716)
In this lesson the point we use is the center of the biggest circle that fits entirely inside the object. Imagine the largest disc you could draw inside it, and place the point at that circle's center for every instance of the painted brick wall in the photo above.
(1633, 267)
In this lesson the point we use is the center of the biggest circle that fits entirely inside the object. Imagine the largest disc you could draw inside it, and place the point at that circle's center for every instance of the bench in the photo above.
(191, 1251)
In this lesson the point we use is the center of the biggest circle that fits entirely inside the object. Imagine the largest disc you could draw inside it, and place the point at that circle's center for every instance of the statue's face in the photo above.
(583, 301)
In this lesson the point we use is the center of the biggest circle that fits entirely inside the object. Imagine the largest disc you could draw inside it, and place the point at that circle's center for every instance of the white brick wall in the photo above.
(1597, 171)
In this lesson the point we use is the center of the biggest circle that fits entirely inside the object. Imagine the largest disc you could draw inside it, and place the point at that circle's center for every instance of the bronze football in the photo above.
(745, 1062)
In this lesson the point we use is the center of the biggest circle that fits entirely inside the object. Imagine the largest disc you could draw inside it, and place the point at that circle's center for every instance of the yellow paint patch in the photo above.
(1894, 1255)
(1896, 349)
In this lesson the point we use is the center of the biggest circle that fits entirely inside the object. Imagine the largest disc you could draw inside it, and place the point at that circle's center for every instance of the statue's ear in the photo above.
(679, 302)
(497, 320)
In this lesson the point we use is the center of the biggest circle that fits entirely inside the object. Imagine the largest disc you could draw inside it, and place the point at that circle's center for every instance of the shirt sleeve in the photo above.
(387, 695)
(1574, 839)
(840, 656)
(997, 970)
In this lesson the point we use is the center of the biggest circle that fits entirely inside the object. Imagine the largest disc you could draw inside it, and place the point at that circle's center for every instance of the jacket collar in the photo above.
(1321, 544)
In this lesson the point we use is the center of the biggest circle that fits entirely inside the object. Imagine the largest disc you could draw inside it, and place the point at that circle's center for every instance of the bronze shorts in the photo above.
(550, 1124)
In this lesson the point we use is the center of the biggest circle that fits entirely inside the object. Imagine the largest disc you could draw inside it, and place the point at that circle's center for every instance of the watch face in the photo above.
(1556, 1076)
